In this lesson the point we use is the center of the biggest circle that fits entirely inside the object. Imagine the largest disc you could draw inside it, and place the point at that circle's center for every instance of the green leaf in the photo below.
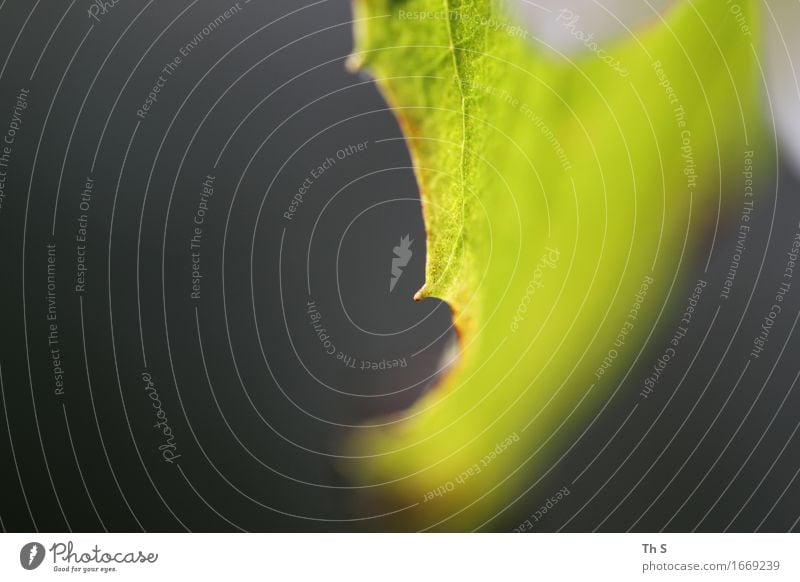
(559, 194)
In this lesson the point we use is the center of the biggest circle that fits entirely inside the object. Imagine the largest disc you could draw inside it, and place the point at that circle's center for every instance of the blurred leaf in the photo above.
(553, 189)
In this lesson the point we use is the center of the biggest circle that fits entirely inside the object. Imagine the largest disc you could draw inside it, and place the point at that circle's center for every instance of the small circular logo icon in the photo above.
(31, 555)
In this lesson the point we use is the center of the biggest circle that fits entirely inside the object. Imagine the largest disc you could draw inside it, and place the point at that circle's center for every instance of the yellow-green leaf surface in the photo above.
(559, 194)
